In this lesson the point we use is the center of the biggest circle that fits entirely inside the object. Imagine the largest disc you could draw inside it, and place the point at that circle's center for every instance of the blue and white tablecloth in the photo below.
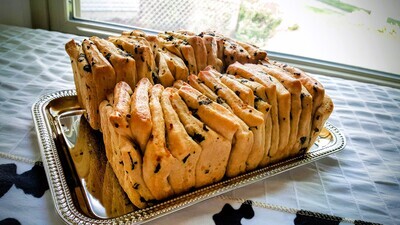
(359, 183)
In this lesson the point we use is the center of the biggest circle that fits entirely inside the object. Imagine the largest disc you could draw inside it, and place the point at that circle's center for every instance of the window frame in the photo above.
(61, 18)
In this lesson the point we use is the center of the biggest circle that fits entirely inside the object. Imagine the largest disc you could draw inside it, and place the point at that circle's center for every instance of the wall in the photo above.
(15, 12)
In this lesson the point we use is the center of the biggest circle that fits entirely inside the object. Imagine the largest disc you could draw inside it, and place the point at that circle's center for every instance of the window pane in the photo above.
(359, 33)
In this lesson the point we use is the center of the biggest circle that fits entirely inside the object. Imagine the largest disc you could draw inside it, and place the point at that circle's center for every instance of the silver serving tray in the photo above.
(56, 117)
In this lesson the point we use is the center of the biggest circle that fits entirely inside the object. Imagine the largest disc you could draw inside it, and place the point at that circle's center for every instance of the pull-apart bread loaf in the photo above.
(180, 110)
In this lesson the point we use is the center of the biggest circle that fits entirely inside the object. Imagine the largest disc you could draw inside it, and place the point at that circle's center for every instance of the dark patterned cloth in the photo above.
(231, 216)
(32, 182)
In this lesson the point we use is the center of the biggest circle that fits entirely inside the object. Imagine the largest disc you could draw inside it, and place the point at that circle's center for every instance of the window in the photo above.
(343, 38)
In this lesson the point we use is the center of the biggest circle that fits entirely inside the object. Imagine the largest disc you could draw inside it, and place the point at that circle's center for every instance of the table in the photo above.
(359, 183)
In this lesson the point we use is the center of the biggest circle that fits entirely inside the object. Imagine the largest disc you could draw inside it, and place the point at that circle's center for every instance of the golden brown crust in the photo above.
(261, 104)
(212, 52)
(181, 48)
(123, 63)
(105, 109)
(176, 66)
(135, 33)
(141, 51)
(214, 115)
(262, 142)
(103, 72)
(282, 105)
(120, 118)
(114, 155)
(284, 111)
(141, 121)
(294, 87)
(196, 83)
(166, 45)
(305, 123)
(197, 44)
(256, 54)
(242, 91)
(181, 146)
(314, 87)
(209, 169)
(249, 119)
(231, 51)
(133, 163)
(321, 115)
(241, 149)
(158, 162)
(84, 83)
(165, 75)
(72, 49)
(248, 114)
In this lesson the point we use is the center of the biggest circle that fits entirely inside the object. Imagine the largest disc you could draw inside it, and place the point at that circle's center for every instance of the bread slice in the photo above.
(186, 51)
(243, 92)
(294, 87)
(141, 121)
(84, 83)
(199, 85)
(320, 117)
(262, 142)
(103, 72)
(211, 113)
(120, 118)
(197, 44)
(141, 51)
(253, 121)
(123, 63)
(313, 86)
(209, 169)
(105, 109)
(261, 104)
(165, 75)
(158, 163)
(231, 51)
(305, 123)
(225, 123)
(164, 42)
(72, 48)
(133, 164)
(247, 113)
(182, 146)
(306, 99)
(173, 57)
(242, 146)
(114, 143)
(256, 54)
(135, 33)
(210, 43)
(281, 105)
(242, 141)
(261, 156)
(176, 66)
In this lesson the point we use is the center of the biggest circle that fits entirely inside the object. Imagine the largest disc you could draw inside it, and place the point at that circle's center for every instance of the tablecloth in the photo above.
(360, 183)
